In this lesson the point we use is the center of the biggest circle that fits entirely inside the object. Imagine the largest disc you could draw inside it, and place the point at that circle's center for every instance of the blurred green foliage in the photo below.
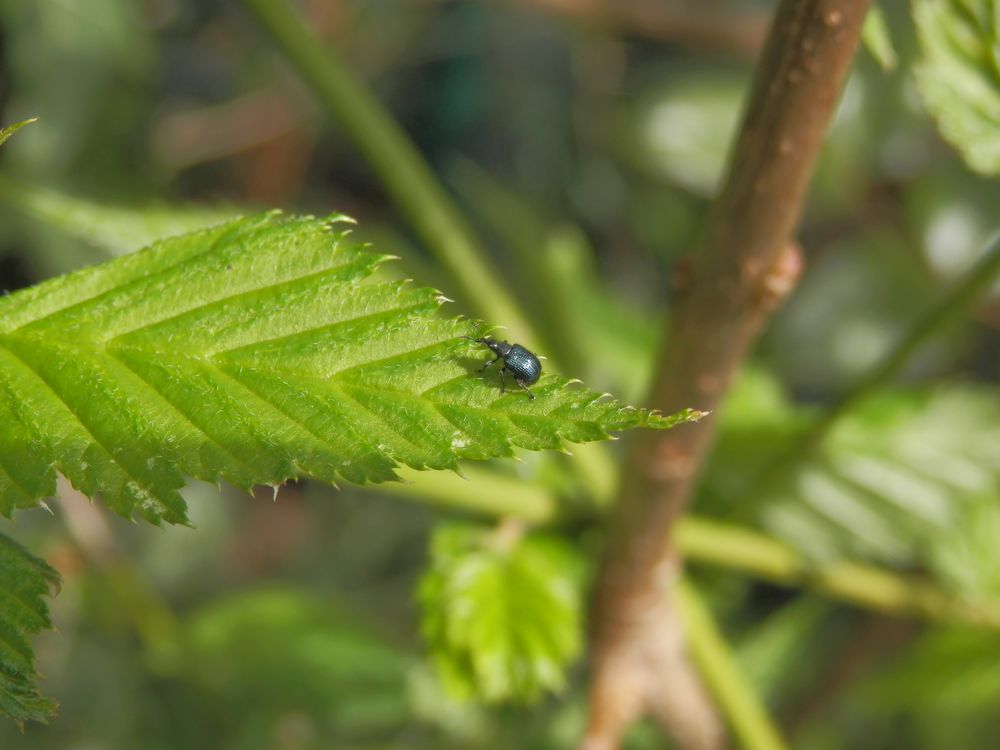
(594, 153)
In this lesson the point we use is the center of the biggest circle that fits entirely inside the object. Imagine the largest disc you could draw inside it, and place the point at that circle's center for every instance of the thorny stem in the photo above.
(746, 264)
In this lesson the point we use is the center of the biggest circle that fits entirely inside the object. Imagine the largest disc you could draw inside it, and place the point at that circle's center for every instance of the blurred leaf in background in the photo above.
(959, 75)
(285, 659)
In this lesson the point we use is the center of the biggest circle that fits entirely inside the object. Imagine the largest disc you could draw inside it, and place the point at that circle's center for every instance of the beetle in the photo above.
(518, 361)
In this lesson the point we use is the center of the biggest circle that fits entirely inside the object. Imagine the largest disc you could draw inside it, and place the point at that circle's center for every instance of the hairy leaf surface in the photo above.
(256, 351)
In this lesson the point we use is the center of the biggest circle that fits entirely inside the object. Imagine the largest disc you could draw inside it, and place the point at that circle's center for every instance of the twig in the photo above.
(745, 266)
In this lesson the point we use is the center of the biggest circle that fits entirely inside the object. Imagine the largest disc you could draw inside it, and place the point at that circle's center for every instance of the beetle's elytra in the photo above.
(523, 365)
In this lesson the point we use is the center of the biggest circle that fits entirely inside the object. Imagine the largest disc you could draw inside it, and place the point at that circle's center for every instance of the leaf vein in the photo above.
(79, 420)
(177, 410)
(232, 299)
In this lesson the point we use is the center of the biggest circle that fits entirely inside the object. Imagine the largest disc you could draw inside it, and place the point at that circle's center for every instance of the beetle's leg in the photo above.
(503, 385)
(530, 394)
(489, 364)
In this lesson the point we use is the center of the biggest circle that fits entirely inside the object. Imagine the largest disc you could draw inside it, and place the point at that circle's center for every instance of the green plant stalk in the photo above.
(405, 174)
(478, 491)
(711, 542)
(737, 699)
(865, 586)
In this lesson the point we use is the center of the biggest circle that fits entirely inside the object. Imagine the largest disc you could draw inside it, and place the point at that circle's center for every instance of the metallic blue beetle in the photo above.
(517, 360)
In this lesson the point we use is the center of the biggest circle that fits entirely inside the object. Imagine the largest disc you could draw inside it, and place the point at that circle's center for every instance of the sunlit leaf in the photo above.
(501, 617)
(256, 352)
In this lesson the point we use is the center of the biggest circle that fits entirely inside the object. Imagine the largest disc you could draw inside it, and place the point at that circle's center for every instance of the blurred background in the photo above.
(586, 139)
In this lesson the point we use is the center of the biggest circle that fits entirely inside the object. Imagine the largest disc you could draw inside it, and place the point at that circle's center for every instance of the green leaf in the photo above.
(968, 560)
(24, 580)
(501, 616)
(903, 480)
(958, 76)
(256, 351)
(8, 131)
(875, 35)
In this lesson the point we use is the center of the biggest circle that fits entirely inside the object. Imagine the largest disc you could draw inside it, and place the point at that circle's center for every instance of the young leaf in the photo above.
(501, 618)
(256, 351)
(24, 580)
(959, 76)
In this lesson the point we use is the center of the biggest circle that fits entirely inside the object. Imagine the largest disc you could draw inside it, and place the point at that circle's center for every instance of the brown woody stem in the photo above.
(746, 264)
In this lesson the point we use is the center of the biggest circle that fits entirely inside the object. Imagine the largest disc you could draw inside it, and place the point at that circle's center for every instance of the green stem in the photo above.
(711, 542)
(404, 172)
(480, 491)
(737, 700)
(714, 543)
